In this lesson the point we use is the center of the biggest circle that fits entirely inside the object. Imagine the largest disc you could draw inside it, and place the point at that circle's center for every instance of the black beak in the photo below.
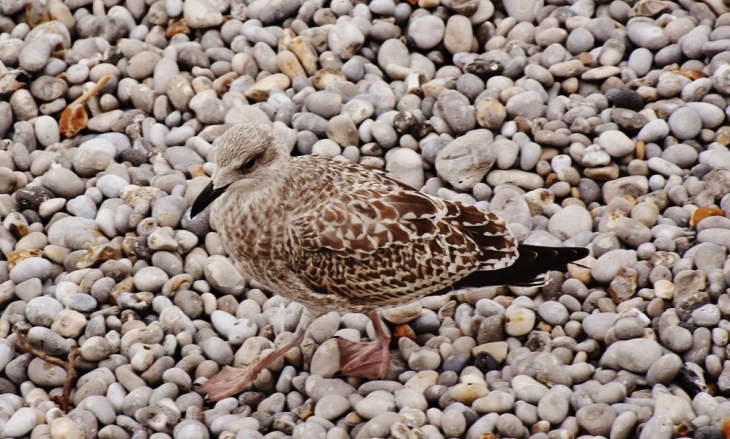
(206, 197)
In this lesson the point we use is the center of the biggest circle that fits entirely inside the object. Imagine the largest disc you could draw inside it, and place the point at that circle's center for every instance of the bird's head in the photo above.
(248, 156)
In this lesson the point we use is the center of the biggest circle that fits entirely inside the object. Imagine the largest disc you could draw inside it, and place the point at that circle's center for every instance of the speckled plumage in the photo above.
(338, 236)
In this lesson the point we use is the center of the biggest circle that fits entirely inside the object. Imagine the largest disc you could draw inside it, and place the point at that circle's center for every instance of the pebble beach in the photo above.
(587, 123)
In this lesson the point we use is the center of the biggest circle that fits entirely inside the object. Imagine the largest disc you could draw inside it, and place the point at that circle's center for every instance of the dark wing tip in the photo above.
(532, 262)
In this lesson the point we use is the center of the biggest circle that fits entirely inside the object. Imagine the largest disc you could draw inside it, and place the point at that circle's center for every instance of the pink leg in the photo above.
(233, 380)
(366, 359)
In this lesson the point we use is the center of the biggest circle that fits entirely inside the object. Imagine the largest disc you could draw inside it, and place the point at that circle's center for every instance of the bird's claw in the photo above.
(228, 382)
(368, 360)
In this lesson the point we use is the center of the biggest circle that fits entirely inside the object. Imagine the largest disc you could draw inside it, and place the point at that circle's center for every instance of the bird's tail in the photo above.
(529, 268)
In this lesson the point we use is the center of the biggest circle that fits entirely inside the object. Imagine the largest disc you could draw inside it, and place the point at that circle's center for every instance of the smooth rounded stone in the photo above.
(711, 115)
(520, 320)
(222, 322)
(30, 268)
(407, 165)
(596, 325)
(553, 313)
(357, 110)
(407, 398)
(453, 423)
(146, 334)
(570, 221)
(467, 393)
(394, 52)
(528, 389)
(95, 349)
(74, 233)
(609, 393)
(455, 110)
(7, 181)
(553, 407)
(632, 232)
(609, 264)
(50, 90)
(326, 148)
(223, 276)
(65, 428)
(458, 34)
(685, 123)
(182, 158)
(635, 185)
(342, 130)
(635, 355)
(200, 14)
(34, 55)
(20, 423)
(374, 404)
(111, 185)
(82, 206)
(596, 418)
(168, 210)
(324, 103)
(331, 407)
(63, 183)
(528, 105)
(467, 159)
(497, 402)
(646, 213)
(69, 323)
(524, 180)
(242, 331)
(345, 39)
(424, 358)
(142, 65)
(29, 289)
(654, 130)
(628, 328)
(382, 7)
(658, 427)
(384, 134)
(46, 374)
(523, 10)
(87, 163)
(624, 425)
(101, 407)
(24, 107)
(676, 408)
(150, 279)
(427, 31)
(403, 314)
(616, 143)
(43, 310)
(648, 35)
(681, 155)
(579, 40)
(190, 429)
(218, 351)
(490, 113)
(715, 235)
(707, 316)
(47, 130)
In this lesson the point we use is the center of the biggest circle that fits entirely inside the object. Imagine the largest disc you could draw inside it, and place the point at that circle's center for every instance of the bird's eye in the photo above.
(248, 164)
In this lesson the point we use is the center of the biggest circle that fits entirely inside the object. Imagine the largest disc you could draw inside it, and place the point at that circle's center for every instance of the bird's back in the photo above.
(364, 238)
(336, 235)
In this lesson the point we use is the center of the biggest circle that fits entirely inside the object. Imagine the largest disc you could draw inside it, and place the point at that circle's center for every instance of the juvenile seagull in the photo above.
(338, 236)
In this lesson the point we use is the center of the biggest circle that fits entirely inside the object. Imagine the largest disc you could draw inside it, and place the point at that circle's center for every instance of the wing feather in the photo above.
(394, 242)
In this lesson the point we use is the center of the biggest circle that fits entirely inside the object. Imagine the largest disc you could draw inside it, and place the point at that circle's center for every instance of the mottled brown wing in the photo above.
(382, 243)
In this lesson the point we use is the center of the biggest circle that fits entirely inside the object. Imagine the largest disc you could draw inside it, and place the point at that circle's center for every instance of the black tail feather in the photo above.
(532, 262)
